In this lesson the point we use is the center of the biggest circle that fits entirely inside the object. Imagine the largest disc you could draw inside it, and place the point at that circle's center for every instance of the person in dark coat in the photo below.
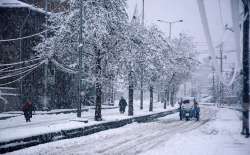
(27, 110)
(180, 110)
(196, 110)
(122, 105)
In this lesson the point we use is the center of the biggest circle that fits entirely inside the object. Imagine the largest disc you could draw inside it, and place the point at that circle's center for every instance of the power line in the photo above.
(62, 68)
(21, 62)
(2, 70)
(26, 37)
(18, 69)
(20, 77)
(20, 73)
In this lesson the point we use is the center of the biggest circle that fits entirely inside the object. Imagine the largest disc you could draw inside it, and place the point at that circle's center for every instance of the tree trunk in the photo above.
(162, 96)
(112, 94)
(130, 95)
(151, 98)
(141, 93)
(165, 99)
(98, 112)
(168, 94)
(172, 98)
(158, 96)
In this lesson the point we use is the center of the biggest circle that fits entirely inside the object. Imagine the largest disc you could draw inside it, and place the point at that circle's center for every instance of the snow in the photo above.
(216, 133)
(18, 4)
(51, 123)
(8, 115)
(12, 3)
(219, 136)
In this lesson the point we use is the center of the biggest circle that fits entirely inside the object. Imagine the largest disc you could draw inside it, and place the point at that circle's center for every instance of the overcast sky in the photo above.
(187, 10)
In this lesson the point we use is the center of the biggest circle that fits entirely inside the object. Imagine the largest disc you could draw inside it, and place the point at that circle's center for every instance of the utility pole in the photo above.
(170, 25)
(143, 5)
(170, 29)
(80, 65)
(213, 86)
(46, 63)
(245, 70)
(221, 70)
(141, 78)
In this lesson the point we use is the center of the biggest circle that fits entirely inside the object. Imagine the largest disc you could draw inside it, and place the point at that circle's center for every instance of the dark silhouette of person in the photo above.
(27, 110)
(122, 105)
(196, 109)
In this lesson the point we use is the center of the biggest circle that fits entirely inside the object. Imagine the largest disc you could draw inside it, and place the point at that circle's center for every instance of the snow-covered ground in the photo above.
(220, 136)
(216, 133)
(51, 123)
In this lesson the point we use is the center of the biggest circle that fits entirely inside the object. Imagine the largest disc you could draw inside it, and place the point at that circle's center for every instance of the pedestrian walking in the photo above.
(122, 105)
(27, 110)
(180, 109)
(196, 110)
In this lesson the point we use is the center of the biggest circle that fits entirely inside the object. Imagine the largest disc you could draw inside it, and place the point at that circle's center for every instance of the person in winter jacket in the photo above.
(27, 110)
(122, 105)
(196, 110)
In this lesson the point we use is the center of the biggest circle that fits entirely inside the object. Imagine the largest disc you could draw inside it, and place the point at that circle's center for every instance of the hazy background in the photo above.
(219, 14)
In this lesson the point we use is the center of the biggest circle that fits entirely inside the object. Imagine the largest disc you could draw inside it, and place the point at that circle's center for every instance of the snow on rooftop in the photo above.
(18, 4)
(12, 3)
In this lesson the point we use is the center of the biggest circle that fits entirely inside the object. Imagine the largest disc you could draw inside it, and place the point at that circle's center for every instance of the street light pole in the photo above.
(221, 70)
(141, 76)
(170, 25)
(45, 102)
(143, 12)
(170, 28)
(80, 65)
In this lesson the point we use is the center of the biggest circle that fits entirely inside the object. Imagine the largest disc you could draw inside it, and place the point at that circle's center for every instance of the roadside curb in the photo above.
(21, 143)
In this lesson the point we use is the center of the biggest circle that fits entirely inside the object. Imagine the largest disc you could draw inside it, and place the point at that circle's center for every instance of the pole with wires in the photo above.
(80, 64)
(143, 5)
(141, 76)
(221, 72)
(45, 103)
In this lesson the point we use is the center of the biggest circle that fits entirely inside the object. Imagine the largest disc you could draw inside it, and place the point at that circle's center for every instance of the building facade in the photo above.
(20, 19)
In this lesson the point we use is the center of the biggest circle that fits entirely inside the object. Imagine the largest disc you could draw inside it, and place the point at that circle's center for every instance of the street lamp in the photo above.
(170, 24)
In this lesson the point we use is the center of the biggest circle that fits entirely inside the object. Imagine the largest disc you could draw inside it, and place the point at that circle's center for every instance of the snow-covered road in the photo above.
(132, 139)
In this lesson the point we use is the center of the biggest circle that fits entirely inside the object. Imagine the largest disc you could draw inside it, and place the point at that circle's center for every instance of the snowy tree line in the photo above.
(117, 49)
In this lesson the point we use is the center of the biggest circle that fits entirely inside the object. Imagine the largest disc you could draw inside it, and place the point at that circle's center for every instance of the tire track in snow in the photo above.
(117, 140)
(148, 142)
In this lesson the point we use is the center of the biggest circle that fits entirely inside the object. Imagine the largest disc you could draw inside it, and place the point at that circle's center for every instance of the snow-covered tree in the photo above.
(103, 22)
